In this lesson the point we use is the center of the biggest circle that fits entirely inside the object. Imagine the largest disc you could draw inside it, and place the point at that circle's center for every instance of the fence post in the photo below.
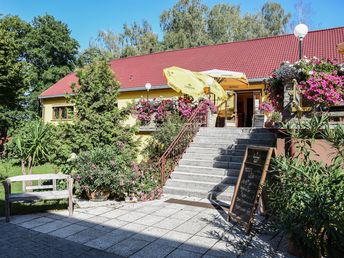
(162, 173)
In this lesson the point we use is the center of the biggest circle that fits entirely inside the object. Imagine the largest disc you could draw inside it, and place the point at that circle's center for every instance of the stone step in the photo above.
(235, 136)
(223, 146)
(204, 177)
(210, 163)
(224, 196)
(233, 141)
(219, 130)
(218, 157)
(198, 185)
(207, 170)
(214, 151)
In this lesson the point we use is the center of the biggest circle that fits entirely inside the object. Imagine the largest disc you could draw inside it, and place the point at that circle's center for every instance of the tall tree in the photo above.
(138, 39)
(97, 121)
(185, 25)
(52, 51)
(274, 17)
(14, 70)
(250, 26)
(223, 22)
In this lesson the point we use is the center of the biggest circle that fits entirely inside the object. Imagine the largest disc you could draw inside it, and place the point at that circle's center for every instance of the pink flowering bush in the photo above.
(266, 107)
(321, 81)
(324, 89)
(159, 109)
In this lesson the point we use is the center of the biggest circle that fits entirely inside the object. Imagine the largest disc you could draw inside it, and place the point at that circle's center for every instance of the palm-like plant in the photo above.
(30, 144)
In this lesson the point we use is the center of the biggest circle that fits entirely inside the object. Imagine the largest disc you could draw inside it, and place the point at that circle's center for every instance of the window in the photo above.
(63, 112)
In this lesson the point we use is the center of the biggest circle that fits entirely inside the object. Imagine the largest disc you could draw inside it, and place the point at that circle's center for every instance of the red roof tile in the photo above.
(256, 58)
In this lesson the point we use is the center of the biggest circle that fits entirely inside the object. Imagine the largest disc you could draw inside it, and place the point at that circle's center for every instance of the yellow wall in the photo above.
(123, 99)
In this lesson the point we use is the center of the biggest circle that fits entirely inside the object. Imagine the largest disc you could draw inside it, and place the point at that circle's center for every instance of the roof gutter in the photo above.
(143, 88)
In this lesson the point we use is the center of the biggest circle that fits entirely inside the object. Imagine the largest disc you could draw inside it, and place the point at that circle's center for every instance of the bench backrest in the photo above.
(40, 178)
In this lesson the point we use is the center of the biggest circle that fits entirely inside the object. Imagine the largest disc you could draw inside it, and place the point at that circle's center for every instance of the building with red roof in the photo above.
(256, 58)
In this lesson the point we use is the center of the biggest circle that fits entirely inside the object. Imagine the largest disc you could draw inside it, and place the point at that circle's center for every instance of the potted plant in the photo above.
(276, 119)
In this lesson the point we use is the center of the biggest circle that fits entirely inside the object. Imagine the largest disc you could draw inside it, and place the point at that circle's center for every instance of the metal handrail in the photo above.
(183, 139)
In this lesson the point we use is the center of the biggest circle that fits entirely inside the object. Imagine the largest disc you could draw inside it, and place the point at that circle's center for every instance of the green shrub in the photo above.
(31, 144)
(105, 169)
(163, 137)
(306, 197)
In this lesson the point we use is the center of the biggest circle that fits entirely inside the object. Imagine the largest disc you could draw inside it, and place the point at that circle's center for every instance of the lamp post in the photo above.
(148, 86)
(300, 32)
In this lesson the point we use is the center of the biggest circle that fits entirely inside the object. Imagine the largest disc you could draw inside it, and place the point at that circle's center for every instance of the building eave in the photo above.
(142, 88)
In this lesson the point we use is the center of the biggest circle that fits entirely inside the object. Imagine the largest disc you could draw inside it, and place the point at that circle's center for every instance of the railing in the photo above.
(176, 149)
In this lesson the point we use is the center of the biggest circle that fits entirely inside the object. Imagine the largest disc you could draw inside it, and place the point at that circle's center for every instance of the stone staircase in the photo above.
(211, 165)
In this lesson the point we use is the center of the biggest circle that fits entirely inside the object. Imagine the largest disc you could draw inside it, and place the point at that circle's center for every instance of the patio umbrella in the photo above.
(215, 87)
(183, 81)
(192, 83)
(228, 79)
(340, 48)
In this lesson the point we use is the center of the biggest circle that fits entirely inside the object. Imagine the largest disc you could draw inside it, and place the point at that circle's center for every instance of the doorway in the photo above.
(245, 109)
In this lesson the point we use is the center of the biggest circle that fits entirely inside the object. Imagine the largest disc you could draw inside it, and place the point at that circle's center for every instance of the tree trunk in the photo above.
(29, 183)
(23, 168)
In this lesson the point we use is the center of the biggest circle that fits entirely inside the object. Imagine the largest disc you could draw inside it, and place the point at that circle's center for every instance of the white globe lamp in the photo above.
(300, 32)
(148, 86)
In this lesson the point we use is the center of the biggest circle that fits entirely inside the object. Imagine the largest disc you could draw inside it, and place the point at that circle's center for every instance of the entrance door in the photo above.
(245, 109)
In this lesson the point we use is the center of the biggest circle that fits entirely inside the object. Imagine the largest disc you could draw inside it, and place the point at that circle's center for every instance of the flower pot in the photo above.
(131, 199)
(98, 196)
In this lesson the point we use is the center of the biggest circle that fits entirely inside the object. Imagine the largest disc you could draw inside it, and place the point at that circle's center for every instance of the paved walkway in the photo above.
(150, 229)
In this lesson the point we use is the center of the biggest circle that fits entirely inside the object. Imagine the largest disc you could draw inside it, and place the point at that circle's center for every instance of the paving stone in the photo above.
(98, 210)
(81, 215)
(128, 247)
(46, 228)
(198, 244)
(153, 250)
(111, 225)
(148, 209)
(67, 231)
(173, 238)
(151, 234)
(119, 235)
(165, 212)
(85, 235)
(149, 220)
(190, 227)
(114, 213)
(224, 249)
(132, 216)
(212, 231)
(180, 253)
(169, 223)
(184, 215)
(35, 222)
(23, 218)
(105, 241)
(93, 221)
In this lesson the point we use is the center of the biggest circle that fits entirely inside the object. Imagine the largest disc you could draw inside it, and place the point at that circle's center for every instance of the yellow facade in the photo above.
(123, 100)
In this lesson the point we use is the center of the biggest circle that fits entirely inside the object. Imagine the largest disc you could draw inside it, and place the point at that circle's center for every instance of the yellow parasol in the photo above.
(215, 87)
(191, 83)
(229, 80)
(183, 81)
(340, 48)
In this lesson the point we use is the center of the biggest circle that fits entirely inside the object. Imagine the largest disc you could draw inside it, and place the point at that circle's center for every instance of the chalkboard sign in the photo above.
(249, 185)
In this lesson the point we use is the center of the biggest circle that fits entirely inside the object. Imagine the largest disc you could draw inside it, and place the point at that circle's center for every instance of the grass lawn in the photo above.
(8, 170)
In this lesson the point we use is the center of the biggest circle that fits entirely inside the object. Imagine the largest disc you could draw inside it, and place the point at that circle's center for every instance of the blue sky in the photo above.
(86, 17)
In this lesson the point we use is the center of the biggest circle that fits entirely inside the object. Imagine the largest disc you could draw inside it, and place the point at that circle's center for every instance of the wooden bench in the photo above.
(29, 193)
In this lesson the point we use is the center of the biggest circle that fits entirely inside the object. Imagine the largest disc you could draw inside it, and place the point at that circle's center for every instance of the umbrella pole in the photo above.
(226, 113)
